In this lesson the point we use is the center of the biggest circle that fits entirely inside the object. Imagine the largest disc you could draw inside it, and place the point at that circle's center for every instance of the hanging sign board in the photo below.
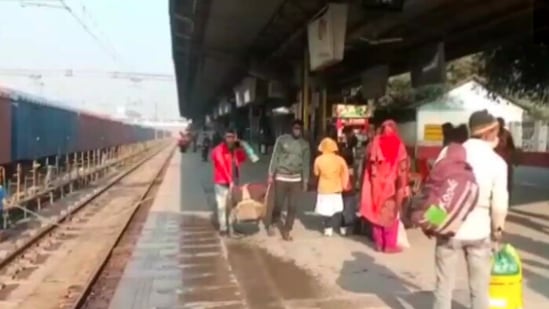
(275, 89)
(374, 82)
(429, 66)
(383, 5)
(354, 121)
(249, 85)
(238, 96)
(326, 37)
(226, 108)
(432, 133)
(350, 111)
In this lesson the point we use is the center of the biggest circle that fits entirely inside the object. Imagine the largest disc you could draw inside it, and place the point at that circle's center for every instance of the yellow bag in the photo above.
(506, 279)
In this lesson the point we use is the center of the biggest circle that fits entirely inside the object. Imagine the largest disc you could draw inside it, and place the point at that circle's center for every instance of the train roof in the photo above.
(17, 95)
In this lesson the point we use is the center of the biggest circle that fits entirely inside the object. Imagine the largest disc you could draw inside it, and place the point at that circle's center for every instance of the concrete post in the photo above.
(305, 91)
(324, 111)
(540, 136)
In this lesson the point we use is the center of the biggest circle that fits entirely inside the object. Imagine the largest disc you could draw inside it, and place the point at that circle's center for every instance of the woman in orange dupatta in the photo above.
(385, 186)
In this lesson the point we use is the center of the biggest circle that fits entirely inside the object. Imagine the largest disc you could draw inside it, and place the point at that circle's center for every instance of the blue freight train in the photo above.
(32, 128)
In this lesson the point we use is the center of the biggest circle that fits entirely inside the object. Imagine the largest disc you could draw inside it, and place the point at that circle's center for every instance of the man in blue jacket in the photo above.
(289, 169)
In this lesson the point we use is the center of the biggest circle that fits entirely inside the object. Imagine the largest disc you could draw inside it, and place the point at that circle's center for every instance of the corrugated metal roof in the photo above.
(227, 34)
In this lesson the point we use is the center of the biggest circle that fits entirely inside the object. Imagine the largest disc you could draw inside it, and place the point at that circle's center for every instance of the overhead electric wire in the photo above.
(62, 4)
(87, 13)
(133, 76)
(109, 49)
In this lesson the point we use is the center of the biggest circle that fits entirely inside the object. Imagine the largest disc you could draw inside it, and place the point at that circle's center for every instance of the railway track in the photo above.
(58, 265)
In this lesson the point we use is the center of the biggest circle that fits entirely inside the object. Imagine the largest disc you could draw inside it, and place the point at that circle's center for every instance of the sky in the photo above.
(134, 36)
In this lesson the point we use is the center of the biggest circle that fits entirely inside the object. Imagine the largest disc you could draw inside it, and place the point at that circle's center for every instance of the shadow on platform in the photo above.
(519, 218)
(535, 280)
(363, 275)
(523, 195)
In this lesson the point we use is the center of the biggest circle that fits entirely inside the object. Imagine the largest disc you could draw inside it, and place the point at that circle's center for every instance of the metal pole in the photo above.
(324, 110)
(305, 113)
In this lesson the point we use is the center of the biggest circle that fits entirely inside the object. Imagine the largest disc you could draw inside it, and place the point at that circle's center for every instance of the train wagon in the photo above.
(146, 133)
(92, 132)
(135, 132)
(115, 133)
(5, 128)
(139, 132)
(34, 128)
(122, 134)
(41, 130)
(130, 135)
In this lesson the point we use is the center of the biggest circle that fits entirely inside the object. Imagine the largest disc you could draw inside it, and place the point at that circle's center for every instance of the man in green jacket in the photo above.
(289, 170)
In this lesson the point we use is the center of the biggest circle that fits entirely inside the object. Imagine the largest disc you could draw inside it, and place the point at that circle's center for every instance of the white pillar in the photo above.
(516, 131)
(540, 136)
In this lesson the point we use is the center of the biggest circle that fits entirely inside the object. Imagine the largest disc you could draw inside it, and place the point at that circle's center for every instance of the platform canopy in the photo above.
(218, 42)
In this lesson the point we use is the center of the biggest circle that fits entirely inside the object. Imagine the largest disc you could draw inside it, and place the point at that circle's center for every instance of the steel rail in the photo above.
(88, 287)
(20, 250)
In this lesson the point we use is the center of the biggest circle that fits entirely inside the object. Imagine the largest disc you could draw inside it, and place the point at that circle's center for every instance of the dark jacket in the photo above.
(291, 156)
(346, 150)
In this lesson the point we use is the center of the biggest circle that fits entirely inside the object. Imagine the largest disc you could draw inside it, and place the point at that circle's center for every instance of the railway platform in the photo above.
(180, 262)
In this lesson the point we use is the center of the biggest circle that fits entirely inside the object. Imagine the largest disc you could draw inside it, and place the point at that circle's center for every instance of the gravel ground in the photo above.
(105, 287)
(73, 253)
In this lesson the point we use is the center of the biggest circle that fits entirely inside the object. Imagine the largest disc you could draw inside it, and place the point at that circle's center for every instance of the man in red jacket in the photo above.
(227, 158)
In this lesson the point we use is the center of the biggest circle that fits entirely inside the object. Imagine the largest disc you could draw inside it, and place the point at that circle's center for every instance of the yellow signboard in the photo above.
(432, 133)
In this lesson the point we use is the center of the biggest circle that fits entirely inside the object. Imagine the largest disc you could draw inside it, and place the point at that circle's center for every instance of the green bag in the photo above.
(506, 262)
(435, 215)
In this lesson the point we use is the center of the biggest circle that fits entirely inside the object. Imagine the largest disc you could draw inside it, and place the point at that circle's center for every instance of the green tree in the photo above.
(400, 91)
(520, 70)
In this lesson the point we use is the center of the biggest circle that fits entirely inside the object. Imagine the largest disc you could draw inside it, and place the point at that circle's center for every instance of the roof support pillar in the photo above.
(305, 91)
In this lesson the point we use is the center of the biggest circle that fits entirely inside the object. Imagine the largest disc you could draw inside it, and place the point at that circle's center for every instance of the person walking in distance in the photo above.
(289, 171)
(227, 158)
(484, 223)
(206, 144)
(506, 150)
(347, 148)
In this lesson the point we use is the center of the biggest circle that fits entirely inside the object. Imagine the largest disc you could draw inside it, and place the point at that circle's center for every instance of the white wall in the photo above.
(438, 117)
(475, 97)
(408, 131)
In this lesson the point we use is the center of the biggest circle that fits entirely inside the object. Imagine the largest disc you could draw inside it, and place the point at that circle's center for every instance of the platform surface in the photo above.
(180, 262)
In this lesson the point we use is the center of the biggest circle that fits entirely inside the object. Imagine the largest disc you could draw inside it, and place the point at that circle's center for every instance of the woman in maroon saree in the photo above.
(385, 186)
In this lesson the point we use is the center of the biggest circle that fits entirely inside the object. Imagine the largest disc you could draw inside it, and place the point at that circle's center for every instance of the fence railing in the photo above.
(534, 135)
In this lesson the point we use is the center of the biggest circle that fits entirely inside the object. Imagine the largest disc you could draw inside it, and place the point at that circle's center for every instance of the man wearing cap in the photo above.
(483, 224)
(289, 170)
(227, 158)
